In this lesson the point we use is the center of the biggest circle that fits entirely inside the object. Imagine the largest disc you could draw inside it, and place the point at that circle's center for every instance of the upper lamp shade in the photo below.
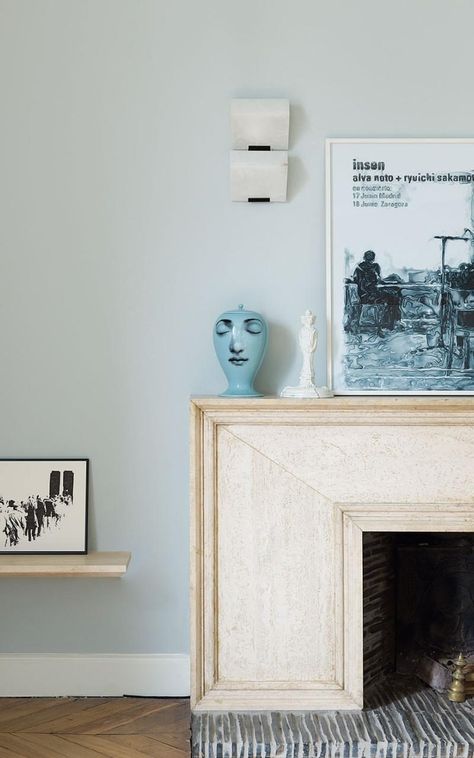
(240, 341)
(260, 123)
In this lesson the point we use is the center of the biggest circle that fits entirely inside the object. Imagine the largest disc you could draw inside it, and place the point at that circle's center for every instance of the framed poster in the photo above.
(43, 506)
(400, 263)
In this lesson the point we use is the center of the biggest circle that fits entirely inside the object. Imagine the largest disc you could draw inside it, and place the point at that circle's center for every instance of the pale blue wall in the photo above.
(119, 245)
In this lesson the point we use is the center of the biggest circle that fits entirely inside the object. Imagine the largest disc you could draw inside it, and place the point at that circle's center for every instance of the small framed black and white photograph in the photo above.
(43, 506)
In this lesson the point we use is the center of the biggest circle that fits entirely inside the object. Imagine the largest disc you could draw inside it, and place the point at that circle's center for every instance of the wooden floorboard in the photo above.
(177, 739)
(124, 727)
(57, 711)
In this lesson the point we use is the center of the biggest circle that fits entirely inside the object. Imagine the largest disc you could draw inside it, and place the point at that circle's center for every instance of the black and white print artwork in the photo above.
(43, 506)
(401, 263)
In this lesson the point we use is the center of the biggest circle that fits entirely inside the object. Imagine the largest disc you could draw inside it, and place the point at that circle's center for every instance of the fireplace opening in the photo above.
(418, 609)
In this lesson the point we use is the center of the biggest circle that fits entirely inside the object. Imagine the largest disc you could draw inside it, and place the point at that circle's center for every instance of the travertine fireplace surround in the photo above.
(282, 492)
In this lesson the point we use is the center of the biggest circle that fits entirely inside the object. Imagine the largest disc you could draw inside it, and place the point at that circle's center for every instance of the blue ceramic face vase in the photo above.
(240, 340)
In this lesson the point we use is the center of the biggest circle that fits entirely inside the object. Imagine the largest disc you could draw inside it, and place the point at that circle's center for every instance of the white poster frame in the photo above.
(330, 279)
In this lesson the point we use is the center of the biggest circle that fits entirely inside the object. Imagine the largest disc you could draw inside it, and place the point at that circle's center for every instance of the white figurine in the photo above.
(308, 340)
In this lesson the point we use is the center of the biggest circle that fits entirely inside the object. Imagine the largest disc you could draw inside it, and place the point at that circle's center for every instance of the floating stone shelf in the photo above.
(102, 565)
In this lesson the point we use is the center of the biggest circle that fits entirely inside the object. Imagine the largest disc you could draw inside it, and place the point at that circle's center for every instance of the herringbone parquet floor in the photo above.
(124, 727)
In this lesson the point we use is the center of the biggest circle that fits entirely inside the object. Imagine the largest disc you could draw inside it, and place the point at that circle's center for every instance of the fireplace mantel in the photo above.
(282, 491)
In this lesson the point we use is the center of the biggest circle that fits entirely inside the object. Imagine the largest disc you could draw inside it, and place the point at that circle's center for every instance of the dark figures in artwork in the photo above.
(367, 276)
(377, 303)
(14, 524)
(40, 511)
(29, 520)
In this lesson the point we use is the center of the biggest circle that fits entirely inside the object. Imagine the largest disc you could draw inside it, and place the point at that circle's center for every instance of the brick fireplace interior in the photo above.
(418, 607)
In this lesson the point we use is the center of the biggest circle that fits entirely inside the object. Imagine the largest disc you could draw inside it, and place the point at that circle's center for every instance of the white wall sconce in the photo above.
(259, 158)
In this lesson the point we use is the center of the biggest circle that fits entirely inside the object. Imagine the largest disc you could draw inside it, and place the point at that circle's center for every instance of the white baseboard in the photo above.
(94, 675)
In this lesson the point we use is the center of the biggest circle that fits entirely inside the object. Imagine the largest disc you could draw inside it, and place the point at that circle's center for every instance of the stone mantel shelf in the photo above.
(95, 564)
(339, 402)
(361, 409)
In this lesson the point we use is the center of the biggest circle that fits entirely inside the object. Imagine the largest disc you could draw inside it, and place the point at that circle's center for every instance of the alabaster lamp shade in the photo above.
(257, 123)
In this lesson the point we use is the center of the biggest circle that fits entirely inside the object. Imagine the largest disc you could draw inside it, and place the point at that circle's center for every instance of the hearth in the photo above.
(399, 721)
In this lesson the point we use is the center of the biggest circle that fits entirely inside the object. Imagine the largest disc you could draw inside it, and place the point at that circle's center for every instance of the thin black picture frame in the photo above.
(86, 461)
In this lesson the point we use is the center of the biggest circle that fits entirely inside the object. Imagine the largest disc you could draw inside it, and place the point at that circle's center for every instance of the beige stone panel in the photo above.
(372, 463)
(279, 579)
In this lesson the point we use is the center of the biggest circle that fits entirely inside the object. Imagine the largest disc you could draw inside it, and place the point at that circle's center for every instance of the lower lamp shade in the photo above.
(258, 175)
